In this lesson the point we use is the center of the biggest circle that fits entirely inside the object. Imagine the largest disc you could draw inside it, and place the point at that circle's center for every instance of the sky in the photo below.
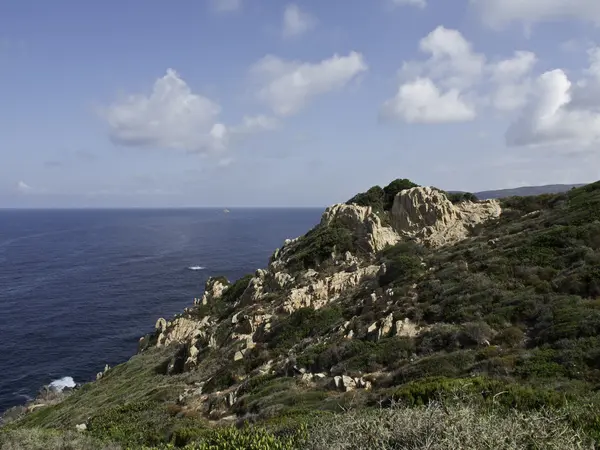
(148, 103)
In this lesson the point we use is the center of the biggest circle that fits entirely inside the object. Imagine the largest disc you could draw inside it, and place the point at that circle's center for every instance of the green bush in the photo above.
(392, 189)
(255, 438)
(480, 389)
(374, 198)
(459, 197)
(301, 324)
(318, 244)
(139, 423)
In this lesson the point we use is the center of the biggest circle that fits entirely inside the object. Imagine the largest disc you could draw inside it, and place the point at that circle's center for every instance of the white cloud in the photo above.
(512, 81)
(254, 124)
(296, 22)
(287, 86)
(418, 3)
(452, 60)
(552, 117)
(421, 101)
(455, 80)
(23, 187)
(226, 5)
(498, 13)
(170, 117)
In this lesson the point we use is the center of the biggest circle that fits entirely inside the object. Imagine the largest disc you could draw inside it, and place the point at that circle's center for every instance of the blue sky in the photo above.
(268, 103)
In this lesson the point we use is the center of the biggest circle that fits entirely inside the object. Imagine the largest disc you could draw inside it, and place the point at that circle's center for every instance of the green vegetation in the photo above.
(459, 197)
(382, 199)
(301, 324)
(503, 353)
(318, 244)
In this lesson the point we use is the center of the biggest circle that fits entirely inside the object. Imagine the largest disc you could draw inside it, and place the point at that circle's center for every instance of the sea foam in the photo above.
(62, 383)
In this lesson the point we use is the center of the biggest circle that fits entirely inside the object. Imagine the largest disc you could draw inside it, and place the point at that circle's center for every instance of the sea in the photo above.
(78, 288)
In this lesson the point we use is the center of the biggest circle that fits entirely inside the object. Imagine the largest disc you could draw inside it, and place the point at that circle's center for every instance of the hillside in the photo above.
(406, 316)
(527, 191)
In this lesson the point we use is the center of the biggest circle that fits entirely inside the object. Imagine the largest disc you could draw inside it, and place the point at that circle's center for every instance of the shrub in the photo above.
(301, 324)
(137, 423)
(401, 268)
(318, 244)
(247, 438)
(440, 427)
(374, 198)
(392, 189)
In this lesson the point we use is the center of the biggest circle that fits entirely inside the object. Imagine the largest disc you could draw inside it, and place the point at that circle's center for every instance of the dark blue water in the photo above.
(78, 288)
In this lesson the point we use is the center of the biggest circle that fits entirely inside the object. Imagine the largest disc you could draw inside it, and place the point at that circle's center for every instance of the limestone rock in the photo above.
(348, 383)
(428, 215)
(386, 327)
(213, 290)
(363, 223)
(323, 291)
(161, 325)
(183, 329)
(405, 328)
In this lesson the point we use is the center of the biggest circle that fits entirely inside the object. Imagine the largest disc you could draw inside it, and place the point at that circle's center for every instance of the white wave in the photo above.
(62, 383)
(196, 268)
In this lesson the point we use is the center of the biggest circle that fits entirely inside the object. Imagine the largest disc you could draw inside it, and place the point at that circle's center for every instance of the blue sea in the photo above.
(79, 287)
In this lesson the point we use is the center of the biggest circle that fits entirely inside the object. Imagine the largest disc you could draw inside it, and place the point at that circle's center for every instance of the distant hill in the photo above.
(526, 191)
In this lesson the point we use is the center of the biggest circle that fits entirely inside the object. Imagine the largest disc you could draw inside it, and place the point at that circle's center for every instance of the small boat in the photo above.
(226, 211)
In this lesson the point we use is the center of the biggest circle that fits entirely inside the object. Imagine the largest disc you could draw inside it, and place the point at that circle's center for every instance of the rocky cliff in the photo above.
(240, 321)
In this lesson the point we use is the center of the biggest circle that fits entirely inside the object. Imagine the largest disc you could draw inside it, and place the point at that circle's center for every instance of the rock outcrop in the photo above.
(364, 223)
(214, 290)
(426, 214)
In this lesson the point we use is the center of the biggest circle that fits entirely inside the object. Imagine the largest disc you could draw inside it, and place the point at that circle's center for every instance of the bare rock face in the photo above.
(213, 290)
(427, 214)
(323, 291)
(183, 330)
(363, 223)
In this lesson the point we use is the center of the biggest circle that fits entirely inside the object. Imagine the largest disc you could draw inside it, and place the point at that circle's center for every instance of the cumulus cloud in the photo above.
(512, 81)
(455, 80)
(296, 22)
(553, 116)
(418, 3)
(498, 13)
(226, 5)
(421, 101)
(287, 86)
(170, 117)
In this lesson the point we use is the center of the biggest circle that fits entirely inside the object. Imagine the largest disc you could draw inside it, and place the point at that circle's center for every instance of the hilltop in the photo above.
(407, 315)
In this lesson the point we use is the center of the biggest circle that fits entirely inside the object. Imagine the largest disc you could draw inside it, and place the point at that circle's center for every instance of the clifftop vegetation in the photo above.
(489, 341)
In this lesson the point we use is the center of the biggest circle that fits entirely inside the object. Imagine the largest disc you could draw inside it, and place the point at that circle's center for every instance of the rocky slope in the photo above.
(403, 294)
(240, 326)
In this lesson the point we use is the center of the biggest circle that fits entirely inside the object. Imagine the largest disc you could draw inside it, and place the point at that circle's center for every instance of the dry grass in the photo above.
(38, 439)
(437, 427)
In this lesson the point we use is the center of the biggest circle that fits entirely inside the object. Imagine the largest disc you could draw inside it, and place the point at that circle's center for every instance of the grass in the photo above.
(132, 382)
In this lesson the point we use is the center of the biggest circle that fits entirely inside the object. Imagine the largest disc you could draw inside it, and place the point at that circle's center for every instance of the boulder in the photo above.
(161, 325)
(406, 328)
(386, 326)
